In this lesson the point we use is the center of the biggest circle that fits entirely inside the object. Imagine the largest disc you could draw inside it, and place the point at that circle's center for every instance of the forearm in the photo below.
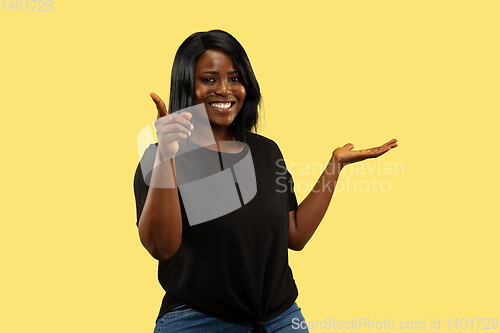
(160, 224)
(313, 208)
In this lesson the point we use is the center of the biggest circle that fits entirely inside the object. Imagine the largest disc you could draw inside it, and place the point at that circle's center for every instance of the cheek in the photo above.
(198, 96)
(243, 93)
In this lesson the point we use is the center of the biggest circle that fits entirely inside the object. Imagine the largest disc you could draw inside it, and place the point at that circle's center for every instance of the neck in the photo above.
(202, 135)
(223, 133)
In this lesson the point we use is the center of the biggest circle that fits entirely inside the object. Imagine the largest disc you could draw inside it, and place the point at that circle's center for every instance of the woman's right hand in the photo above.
(170, 128)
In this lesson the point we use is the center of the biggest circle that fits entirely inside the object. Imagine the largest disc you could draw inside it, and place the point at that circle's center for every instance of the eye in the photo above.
(208, 80)
(234, 79)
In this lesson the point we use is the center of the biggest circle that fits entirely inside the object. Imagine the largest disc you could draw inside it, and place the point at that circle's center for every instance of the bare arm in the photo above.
(306, 218)
(160, 224)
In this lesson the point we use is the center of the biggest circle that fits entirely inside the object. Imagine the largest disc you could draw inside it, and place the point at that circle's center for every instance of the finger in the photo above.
(175, 137)
(372, 152)
(174, 128)
(160, 105)
(394, 143)
(375, 152)
(385, 147)
(391, 142)
(174, 118)
(188, 116)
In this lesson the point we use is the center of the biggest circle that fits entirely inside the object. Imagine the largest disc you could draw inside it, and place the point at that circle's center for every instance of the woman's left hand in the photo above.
(346, 155)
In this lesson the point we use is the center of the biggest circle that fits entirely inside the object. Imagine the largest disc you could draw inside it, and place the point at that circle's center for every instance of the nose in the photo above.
(223, 88)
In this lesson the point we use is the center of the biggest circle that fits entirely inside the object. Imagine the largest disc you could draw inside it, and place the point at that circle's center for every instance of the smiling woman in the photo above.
(229, 273)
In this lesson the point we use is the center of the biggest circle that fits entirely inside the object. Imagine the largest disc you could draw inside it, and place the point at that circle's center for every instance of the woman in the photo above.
(229, 273)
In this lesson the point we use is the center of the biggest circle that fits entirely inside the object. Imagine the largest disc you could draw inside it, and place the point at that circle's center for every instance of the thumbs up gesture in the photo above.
(170, 128)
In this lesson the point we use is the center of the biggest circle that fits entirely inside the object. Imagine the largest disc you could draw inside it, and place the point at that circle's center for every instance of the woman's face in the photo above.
(218, 87)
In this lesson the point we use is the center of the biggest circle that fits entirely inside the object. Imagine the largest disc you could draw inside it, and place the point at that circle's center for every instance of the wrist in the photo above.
(163, 156)
(336, 165)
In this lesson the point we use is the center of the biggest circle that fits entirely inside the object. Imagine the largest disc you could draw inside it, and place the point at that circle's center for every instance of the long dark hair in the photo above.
(182, 86)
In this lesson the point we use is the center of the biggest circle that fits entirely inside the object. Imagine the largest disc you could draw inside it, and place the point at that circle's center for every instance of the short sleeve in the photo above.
(292, 199)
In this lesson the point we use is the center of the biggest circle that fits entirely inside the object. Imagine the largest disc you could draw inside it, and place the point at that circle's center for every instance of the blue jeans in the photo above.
(186, 320)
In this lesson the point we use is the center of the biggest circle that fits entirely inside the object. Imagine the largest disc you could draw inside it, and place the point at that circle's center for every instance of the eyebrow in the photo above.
(213, 72)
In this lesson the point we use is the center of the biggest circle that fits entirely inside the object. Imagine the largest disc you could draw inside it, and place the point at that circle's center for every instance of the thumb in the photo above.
(348, 146)
(160, 105)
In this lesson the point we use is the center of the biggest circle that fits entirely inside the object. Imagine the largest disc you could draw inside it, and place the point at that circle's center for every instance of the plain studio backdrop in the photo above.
(410, 236)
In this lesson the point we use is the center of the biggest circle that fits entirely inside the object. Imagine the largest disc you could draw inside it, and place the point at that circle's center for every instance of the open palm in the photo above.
(345, 154)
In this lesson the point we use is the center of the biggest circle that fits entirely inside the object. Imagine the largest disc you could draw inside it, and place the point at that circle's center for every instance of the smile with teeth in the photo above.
(222, 106)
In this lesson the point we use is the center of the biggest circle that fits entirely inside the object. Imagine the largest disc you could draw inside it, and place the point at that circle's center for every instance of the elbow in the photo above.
(160, 248)
(160, 256)
(296, 240)
(296, 246)
(162, 253)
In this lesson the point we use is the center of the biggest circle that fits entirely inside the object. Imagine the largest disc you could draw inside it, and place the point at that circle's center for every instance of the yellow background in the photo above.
(74, 93)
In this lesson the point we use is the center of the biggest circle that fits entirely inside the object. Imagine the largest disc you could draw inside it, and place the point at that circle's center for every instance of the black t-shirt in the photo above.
(234, 267)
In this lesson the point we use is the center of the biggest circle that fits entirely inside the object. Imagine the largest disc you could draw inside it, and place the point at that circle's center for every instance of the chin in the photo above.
(222, 120)
(221, 123)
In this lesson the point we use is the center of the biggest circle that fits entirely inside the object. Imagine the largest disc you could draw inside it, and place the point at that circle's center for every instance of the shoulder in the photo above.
(264, 149)
(145, 166)
(260, 140)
